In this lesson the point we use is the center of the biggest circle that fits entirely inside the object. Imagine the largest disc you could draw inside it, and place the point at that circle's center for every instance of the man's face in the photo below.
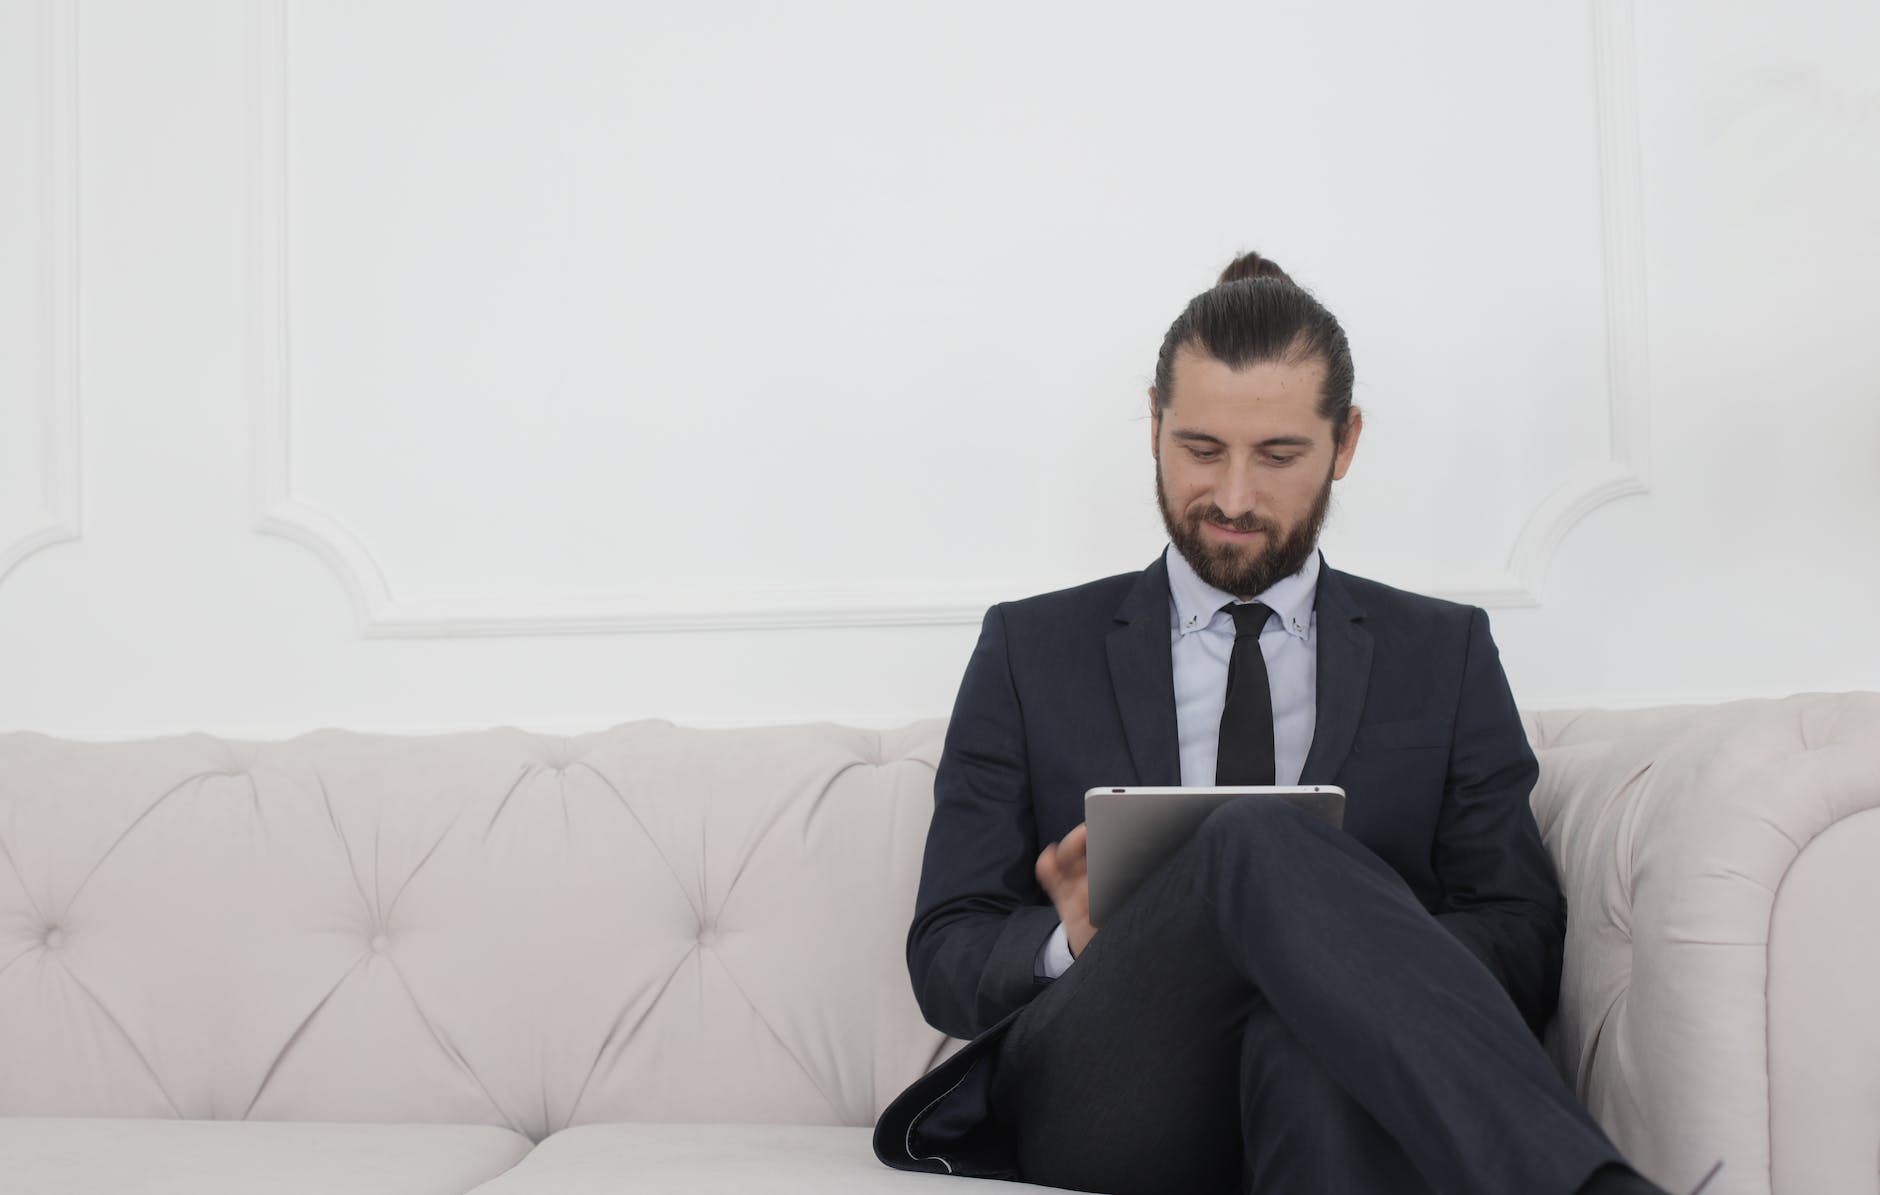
(1244, 466)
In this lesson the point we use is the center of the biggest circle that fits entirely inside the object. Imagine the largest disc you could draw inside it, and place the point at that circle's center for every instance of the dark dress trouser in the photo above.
(1274, 1012)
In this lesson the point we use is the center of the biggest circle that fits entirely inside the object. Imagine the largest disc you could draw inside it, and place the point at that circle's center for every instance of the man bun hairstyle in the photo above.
(1257, 313)
(1252, 265)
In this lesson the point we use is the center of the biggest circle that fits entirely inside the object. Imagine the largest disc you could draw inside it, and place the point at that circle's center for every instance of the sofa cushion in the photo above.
(75, 1156)
(719, 1159)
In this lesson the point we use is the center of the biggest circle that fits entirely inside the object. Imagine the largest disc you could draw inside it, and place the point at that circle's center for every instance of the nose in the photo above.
(1235, 494)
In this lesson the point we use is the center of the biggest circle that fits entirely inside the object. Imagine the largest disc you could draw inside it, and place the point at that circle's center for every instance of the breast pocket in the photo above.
(1408, 735)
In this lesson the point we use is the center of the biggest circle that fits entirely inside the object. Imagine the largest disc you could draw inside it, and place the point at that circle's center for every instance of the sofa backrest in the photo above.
(646, 923)
(659, 924)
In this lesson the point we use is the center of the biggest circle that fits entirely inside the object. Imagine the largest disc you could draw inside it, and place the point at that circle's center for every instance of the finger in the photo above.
(1049, 873)
(1075, 873)
(1075, 845)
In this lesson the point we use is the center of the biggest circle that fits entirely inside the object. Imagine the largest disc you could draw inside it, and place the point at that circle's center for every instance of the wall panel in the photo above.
(580, 361)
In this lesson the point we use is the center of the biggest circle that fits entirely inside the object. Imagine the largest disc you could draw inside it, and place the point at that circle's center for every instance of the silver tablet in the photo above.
(1133, 830)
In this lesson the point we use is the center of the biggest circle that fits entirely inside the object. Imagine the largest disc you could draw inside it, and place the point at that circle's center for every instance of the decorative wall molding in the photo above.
(380, 613)
(60, 516)
(1628, 366)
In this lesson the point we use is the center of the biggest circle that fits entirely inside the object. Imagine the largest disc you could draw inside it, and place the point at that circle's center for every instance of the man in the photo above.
(1282, 1007)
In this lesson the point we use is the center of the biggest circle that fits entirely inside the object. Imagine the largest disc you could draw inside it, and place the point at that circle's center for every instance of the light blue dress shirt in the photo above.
(1201, 640)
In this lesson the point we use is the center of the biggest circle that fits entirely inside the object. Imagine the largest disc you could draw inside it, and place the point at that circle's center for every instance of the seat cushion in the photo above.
(709, 1159)
(101, 1156)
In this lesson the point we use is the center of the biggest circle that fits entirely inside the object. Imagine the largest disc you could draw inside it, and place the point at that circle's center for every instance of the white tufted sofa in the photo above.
(659, 959)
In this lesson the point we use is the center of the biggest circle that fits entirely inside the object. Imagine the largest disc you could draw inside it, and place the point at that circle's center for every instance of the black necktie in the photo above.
(1245, 754)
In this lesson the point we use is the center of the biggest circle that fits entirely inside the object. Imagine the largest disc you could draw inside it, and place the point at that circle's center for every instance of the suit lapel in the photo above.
(1344, 674)
(1143, 676)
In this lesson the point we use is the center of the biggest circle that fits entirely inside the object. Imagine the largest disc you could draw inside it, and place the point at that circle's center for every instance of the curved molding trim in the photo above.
(382, 614)
(1628, 365)
(60, 518)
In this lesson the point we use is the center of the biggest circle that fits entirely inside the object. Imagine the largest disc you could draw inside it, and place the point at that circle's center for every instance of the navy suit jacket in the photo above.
(1073, 690)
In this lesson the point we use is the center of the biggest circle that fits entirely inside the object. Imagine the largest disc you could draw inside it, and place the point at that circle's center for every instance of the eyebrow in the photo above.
(1269, 442)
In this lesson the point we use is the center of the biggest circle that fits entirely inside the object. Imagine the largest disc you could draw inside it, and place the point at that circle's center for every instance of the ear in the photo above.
(1155, 421)
(1354, 424)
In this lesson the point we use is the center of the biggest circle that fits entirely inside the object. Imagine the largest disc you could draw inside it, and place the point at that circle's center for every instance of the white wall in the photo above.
(413, 366)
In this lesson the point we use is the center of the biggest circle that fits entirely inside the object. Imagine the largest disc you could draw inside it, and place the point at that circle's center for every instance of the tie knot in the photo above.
(1249, 618)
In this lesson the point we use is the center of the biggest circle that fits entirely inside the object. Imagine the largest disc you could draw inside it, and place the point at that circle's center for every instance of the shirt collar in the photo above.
(1197, 603)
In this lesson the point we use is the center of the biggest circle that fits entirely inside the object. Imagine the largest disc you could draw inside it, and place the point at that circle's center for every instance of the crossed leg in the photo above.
(1274, 1012)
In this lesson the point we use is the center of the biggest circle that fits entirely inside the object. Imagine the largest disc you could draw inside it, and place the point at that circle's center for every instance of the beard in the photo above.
(1243, 570)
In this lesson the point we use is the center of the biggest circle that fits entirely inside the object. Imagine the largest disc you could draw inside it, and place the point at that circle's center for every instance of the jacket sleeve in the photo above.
(1501, 895)
(980, 916)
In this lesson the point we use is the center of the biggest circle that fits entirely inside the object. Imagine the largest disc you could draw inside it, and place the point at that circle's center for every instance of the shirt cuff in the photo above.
(1054, 957)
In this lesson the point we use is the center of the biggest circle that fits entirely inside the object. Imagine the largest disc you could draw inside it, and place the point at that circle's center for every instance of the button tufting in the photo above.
(55, 938)
(708, 935)
(380, 942)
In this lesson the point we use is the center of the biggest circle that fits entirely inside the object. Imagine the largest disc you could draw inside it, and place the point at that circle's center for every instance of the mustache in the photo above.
(1245, 523)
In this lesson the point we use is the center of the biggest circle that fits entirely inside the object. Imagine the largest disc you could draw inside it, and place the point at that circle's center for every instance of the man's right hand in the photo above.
(1064, 873)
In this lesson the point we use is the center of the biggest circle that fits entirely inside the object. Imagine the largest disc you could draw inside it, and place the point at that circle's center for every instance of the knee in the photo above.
(1256, 821)
(1263, 830)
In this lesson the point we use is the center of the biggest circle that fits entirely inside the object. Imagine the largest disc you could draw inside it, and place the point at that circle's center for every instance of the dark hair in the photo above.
(1256, 313)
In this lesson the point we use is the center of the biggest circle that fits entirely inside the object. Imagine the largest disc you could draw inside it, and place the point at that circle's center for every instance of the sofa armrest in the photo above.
(1721, 965)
